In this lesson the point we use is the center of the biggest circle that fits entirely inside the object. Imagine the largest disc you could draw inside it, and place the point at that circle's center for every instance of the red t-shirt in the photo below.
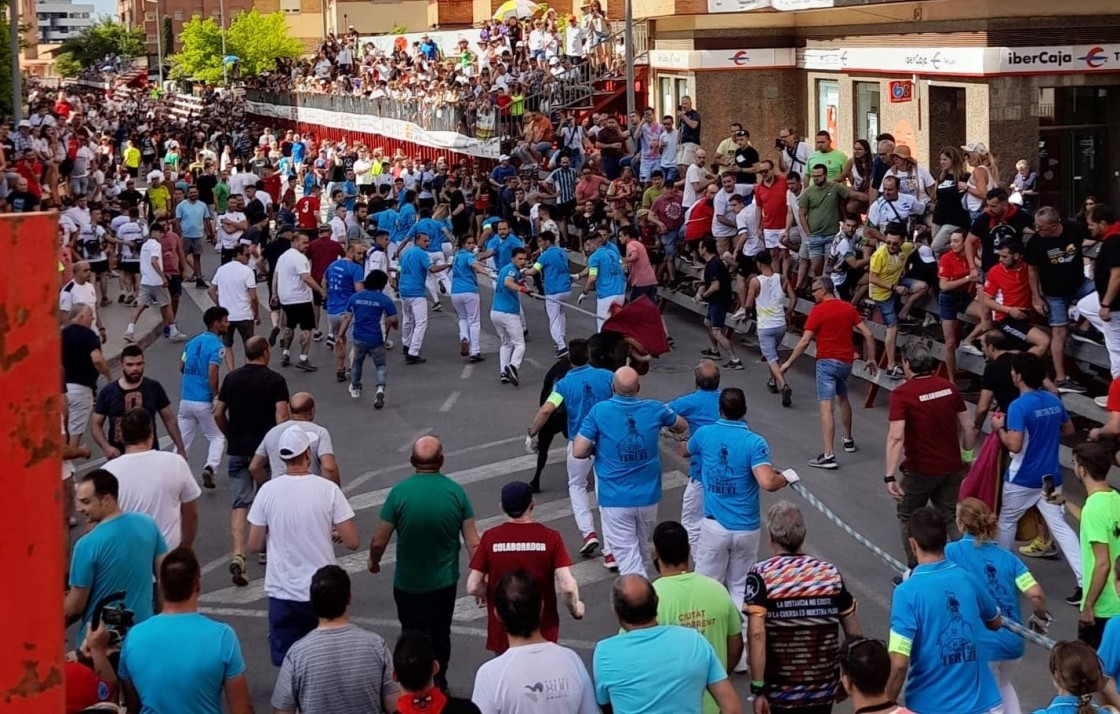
(832, 322)
(1114, 396)
(1011, 288)
(929, 406)
(954, 266)
(322, 252)
(772, 201)
(307, 212)
(533, 547)
(698, 220)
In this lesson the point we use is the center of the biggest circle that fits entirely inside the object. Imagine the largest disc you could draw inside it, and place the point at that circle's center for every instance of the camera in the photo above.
(779, 144)
(117, 618)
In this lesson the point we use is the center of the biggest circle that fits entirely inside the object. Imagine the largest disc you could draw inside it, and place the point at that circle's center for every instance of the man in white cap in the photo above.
(302, 515)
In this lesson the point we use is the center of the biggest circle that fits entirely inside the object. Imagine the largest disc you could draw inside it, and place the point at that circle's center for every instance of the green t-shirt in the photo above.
(221, 196)
(703, 604)
(823, 205)
(834, 160)
(1100, 523)
(427, 511)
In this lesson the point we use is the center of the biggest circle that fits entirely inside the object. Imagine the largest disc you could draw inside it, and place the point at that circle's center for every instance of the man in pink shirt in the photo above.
(641, 278)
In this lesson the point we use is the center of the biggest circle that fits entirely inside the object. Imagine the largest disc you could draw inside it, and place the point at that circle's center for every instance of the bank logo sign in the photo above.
(1047, 59)
(965, 61)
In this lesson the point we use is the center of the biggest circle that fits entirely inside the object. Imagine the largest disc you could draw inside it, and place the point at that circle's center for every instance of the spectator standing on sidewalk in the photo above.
(926, 415)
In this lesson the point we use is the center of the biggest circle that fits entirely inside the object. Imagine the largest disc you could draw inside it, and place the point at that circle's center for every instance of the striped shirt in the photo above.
(346, 669)
(565, 182)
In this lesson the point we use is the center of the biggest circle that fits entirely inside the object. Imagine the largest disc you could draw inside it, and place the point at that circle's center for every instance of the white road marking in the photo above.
(407, 445)
(449, 403)
(358, 562)
(357, 481)
(534, 362)
(468, 369)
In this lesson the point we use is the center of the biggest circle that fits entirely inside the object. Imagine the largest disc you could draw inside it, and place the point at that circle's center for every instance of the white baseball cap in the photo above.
(295, 440)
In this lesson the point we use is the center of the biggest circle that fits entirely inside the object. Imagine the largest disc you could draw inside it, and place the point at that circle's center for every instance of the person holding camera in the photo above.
(182, 662)
(90, 677)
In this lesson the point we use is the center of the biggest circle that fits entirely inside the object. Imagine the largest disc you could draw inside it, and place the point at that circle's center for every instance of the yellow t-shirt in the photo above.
(889, 269)
(159, 197)
(132, 157)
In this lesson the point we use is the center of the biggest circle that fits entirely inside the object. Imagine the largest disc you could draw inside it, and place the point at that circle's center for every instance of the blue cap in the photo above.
(516, 497)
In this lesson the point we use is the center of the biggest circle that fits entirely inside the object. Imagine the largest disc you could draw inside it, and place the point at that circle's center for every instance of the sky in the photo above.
(105, 7)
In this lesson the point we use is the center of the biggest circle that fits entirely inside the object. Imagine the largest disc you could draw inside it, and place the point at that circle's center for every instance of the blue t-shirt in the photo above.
(1109, 651)
(626, 434)
(350, 190)
(505, 299)
(655, 670)
(1039, 416)
(580, 389)
(431, 228)
(207, 653)
(936, 618)
(340, 277)
(553, 266)
(309, 182)
(503, 249)
(299, 151)
(198, 354)
(192, 218)
(501, 173)
(1004, 576)
(118, 554)
(414, 267)
(729, 452)
(387, 221)
(367, 307)
(406, 218)
(606, 266)
(699, 408)
(464, 279)
(1067, 704)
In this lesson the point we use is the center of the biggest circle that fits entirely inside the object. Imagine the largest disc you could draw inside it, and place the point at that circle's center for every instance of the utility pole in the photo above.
(629, 39)
(159, 39)
(17, 80)
(225, 65)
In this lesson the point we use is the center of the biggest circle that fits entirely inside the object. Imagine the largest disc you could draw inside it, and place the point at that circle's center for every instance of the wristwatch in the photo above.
(889, 479)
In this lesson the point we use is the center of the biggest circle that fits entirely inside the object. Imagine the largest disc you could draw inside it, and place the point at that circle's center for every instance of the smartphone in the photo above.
(779, 144)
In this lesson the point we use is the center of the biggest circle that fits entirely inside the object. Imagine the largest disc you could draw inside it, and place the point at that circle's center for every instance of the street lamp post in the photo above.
(159, 41)
(225, 65)
(630, 100)
(17, 79)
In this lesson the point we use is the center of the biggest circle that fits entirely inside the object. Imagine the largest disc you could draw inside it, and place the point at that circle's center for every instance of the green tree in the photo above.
(256, 40)
(67, 65)
(104, 37)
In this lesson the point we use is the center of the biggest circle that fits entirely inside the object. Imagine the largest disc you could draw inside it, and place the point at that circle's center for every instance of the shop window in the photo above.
(670, 89)
(828, 104)
(866, 120)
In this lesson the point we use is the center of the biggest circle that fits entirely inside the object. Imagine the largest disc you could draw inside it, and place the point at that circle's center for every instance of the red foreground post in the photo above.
(31, 631)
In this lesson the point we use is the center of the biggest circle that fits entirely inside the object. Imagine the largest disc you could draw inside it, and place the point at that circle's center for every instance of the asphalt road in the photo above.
(482, 424)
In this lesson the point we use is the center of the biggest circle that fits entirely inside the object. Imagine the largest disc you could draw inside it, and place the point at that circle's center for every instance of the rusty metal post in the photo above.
(31, 619)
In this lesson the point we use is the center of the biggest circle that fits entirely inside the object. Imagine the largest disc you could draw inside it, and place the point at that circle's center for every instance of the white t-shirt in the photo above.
(131, 234)
(229, 241)
(914, 182)
(270, 446)
(511, 683)
(722, 204)
(290, 268)
(746, 221)
(299, 512)
(148, 274)
(694, 174)
(234, 280)
(156, 483)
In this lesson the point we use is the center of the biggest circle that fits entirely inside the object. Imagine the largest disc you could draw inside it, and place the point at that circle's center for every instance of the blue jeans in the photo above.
(819, 245)
(361, 349)
(1057, 312)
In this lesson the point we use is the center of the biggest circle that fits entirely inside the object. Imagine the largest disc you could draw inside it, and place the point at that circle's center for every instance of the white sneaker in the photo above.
(739, 314)
(741, 666)
(355, 393)
(388, 344)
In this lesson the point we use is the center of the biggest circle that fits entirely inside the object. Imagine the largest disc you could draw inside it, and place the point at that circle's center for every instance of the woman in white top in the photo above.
(766, 293)
(857, 171)
(984, 177)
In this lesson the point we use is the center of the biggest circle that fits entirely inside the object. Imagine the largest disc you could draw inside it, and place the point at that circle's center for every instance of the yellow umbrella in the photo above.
(516, 8)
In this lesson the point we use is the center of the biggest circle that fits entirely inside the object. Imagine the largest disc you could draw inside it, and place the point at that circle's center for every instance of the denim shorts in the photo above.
(819, 245)
(952, 303)
(832, 379)
(670, 240)
(888, 310)
(717, 316)
(769, 339)
(241, 485)
(1057, 313)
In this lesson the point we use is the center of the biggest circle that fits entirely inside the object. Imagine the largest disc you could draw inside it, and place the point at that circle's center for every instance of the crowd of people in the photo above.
(652, 205)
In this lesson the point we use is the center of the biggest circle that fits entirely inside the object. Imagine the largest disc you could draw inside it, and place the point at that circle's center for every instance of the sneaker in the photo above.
(388, 344)
(208, 477)
(504, 379)
(824, 462)
(738, 315)
(787, 397)
(177, 337)
(379, 398)
(849, 445)
(355, 392)
(1101, 402)
(894, 372)
(735, 363)
(513, 376)
(410, 359)
(711, 354)
(340, 375)
(1074, 599)
(200, 283)
(330, 342)
(272, 336)
(525, 334)
(1039, 548)
(437, 307)
(167, 332)
(238, 571)
(285, 360)
(609, 563)
(263, 558)
(896, 580)
(772, 385)
(590, 543)
(561, 354)
(1088, 337)
(129, 336)
(1068, 385)
(317, 336)
(971, 349)
(404, 350)
(475, 358)
(306, 365)
(464, 348)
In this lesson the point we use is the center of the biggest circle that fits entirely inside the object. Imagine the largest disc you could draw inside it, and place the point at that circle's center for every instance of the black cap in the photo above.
(516, 497)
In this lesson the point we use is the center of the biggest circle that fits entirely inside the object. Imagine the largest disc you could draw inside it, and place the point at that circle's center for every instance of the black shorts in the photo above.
(1016, 329)
(648, 290)
(300, 315)
(133, 172)
(175, 285)
(367, 189)
(131, 267)
(564, 211)
(238, 327)
(745, 265)
(99, 267)
(317, 299)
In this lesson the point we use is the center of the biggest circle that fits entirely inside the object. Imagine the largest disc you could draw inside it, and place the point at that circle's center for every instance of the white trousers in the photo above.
(432, 282)
(557, 320)
(603, 309)
(628, 529)
(579, 490)
(470, 318)
(414, 323)
(726, 556)
(196, 418)
(510, 333)
(1090, 308)
(1003, 670)
(692, 511)
(1017, 500)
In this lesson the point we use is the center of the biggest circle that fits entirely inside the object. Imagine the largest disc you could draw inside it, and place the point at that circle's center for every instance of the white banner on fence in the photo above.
(392, 128)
